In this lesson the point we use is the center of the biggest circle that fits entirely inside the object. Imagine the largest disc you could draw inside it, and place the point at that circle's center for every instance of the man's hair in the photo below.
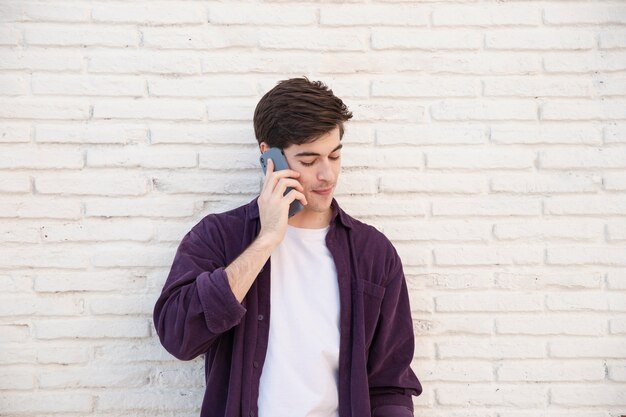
(298, 111)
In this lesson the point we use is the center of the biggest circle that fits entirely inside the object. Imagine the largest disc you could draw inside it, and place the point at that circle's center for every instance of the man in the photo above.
(340, 339)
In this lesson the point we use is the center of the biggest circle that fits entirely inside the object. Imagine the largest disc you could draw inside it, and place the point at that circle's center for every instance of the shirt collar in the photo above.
(337, 212)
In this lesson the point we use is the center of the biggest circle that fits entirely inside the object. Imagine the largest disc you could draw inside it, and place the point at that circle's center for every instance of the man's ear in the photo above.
(263, 147)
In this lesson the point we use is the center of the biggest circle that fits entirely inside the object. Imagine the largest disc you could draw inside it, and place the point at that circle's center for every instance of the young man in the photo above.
(297, 316)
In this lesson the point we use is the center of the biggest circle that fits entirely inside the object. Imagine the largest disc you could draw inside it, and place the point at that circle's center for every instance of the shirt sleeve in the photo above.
(196, 304)
(392, 381)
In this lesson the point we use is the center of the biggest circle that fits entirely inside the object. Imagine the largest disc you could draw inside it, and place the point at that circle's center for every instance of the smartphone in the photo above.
(280, 162)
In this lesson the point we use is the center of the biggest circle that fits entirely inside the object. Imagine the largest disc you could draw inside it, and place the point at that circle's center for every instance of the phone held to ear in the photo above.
(280, 163)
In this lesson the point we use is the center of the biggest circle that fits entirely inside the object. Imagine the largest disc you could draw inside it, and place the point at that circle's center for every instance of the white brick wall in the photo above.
(489, 143)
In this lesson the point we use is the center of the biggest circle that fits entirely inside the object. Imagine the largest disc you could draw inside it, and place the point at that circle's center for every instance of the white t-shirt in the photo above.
(300, 373)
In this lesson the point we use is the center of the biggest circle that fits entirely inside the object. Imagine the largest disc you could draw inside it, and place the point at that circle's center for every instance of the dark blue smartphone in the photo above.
(280, 163)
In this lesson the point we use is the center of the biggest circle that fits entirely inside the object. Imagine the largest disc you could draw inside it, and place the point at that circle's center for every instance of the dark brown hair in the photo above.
(298, 111)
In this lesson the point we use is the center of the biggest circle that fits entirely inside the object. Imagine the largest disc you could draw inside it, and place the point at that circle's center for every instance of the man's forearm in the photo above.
(243, 271)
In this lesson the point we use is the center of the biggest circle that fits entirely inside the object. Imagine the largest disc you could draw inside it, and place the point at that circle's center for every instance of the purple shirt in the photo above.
(197, 313)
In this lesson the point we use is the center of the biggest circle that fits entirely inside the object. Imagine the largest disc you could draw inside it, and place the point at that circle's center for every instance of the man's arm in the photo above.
(391, 379)
(201, 298)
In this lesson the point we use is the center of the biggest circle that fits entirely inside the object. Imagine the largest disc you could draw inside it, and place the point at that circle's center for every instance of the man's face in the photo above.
(319, 165)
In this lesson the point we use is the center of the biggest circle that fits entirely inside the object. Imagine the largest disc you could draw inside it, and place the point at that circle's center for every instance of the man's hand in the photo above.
(273, 205)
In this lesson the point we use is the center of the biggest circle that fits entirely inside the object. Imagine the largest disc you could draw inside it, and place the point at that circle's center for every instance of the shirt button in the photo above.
(260, 317)
(255, 364)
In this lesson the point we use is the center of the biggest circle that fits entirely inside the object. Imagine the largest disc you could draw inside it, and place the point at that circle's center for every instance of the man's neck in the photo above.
(311, 220)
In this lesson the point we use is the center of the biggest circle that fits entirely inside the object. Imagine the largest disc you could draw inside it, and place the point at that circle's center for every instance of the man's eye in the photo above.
(306, 164)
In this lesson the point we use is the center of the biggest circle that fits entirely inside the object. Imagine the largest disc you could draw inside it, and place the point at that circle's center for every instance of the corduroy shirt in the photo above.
(198, 314)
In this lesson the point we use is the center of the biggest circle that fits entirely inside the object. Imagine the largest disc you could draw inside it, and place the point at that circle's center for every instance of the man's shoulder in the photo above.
(368, 237)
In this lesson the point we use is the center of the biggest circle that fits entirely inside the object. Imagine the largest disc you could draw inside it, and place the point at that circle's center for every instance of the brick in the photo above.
(373, 14)
(548, 183)
(425, 39)
(16, 353)
(219, 110)
(610, 86)
(616, 280)
(586, 255)
(42, 108)
(439, 183)
(486, 207)
(176, 377)
(396, 157)
(411, 254)
(352, 183)
(426, 87)
(140, 230)
(143, 61)
(43, 256)
(616, 372)
(579, 301)
(479, 159)
(387, 207)
(541, 87)
(14, 333)
(160, 109)
(602, 205)
(146, 207)
(78, 35)
(387, 110)
(223, 158)
(132, 256)
(314, 39)
(544, 230)
(91, 328)
(202, 38)
(44, 60)
(552, 324)
(15, 284)
(144, 157)
(149, 14)
(40, 207)
(554, 133)
(10, 36)
(94, 377)
(14, 132)
(121, 305)
(14, 85)
(87, 85)
(582, 13)
(609, 39)
(27, 305)
(119, 281)
(539, 39)
(453, 325)
(549, 280)
(583, 158)
(616, 230)
(217, 86)
(40, 157)
(456, 371)
(92, 133)
(262, 14)
(153, 399)
(88, 183)
(483, 110)
(584, 62)
(115, 352)
(16, 11)
(185, 133)
(413, 230)
(502, 347)
(617, 325)
(450, 280)
(550, 371)
(15, 183)
(469, 134)
(486, 15)
(588, 395)
(503, 395)
(587, 347)
(47, 402)
(511, 255)
(608, 109)
(615, 133)
(490, 301)
(207, 182)
(62, 355)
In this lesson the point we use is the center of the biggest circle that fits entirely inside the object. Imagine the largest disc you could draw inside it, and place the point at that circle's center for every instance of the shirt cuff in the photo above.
(221, 309)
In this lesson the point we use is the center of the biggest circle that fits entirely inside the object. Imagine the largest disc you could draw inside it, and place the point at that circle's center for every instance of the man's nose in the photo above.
(325, 172)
